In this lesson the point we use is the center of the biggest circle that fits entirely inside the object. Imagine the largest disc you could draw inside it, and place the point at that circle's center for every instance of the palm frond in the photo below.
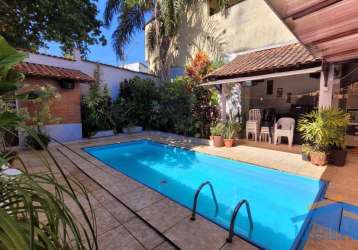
(112, 7)
(129, 21)
(151, 38)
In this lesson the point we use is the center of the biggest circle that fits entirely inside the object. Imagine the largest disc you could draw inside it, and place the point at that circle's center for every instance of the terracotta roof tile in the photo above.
(277, 58)
(34, 69)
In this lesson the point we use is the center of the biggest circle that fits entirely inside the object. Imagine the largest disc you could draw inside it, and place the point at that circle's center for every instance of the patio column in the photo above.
(223, 101)
(328, 85)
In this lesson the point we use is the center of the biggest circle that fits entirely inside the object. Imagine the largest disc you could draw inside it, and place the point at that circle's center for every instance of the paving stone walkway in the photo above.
(120, 224)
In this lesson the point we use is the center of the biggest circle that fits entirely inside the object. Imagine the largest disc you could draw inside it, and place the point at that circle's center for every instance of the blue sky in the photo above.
(106, 54)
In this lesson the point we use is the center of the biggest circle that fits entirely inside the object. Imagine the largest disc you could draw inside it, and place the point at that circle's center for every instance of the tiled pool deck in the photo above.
(119, 228)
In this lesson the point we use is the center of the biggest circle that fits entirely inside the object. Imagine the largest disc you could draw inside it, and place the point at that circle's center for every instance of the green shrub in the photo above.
(174, 106)
(324, 128)
(231, 129)
(135, 103)
(218, 129)
(96, 108)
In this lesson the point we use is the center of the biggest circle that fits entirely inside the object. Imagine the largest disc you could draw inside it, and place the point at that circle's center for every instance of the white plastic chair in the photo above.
(253, 125)
(284, 127)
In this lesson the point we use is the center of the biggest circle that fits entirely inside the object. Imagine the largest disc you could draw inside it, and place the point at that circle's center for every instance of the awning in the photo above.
(328, 28)
(291, 59)
(265, 76)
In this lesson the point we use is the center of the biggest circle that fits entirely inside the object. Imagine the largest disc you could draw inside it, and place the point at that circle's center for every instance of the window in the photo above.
(269, 87)
(214, 7)
(289, 97)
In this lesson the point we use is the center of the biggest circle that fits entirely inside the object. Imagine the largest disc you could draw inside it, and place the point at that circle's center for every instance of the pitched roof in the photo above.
(34, 69)
(279, 58)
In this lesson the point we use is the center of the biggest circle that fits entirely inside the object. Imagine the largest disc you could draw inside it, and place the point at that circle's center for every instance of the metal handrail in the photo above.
(197, 195)
(233, 218)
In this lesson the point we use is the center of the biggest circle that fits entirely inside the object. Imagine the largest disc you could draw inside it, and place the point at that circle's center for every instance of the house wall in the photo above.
(248, 25)
(110, 75)
(299, 84)
(67, 108)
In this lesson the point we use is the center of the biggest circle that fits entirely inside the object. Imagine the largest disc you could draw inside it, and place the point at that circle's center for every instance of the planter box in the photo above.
(134, 129)
(103, 133)
(338, 157)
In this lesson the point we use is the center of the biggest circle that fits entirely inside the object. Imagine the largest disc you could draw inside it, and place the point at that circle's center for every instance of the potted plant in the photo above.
(217, 134)
(231, 130)
(306, 150)
(339, 122)
(321, 129)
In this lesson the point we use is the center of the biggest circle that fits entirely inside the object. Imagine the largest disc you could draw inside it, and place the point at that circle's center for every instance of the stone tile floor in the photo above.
(121, 227)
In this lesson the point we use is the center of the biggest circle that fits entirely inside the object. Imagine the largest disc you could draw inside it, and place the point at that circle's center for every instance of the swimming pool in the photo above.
(279, 201)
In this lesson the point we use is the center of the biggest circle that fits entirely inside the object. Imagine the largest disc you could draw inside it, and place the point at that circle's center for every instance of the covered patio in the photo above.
(285, 81)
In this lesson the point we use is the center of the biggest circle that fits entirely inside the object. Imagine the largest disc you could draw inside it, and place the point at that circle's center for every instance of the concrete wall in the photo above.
(299, 84)
(110, 75)
(248, 25)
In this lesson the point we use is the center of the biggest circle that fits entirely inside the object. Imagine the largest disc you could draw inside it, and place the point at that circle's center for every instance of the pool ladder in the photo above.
(197, 196)
(233, 218)
(234, 214)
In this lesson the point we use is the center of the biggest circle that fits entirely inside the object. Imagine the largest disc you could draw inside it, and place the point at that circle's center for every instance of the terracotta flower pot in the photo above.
(218, 141)
(229, 142)
(318, 158)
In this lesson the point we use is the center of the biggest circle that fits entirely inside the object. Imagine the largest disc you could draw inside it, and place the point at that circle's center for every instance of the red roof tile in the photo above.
(34, 69)
(278, 58)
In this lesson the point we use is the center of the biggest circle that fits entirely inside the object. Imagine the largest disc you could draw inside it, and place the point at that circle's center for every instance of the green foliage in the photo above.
(231, 130)
(135, 103)
(165, 106)
(218, 129)
(176, 105)
(324, 128)
(306, 149)
(96, 108)
(31, 217)
(30, 24)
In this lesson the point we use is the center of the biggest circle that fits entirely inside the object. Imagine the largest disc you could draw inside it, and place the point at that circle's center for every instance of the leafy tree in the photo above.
(163, 30)
(30, 24)
(205, 107)
(166, 17)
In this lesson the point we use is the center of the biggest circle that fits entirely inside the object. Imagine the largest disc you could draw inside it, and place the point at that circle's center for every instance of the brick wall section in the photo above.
(68, 107)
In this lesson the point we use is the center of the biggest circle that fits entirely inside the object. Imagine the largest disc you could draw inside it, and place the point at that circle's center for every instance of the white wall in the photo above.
(110, 75)
(65, 132)
(299, 84)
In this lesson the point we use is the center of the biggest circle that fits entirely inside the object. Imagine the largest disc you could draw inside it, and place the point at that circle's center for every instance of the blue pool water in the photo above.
(279, 201)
